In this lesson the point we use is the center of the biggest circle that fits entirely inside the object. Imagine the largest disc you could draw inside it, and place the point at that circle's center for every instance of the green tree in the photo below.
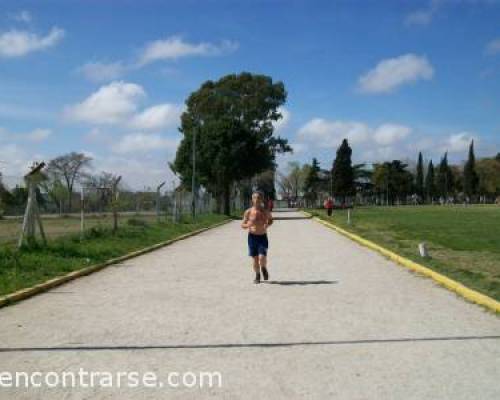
(342, 171)
(444, 178)
(488, 170)
(430, 182)
(419, 180)
(393, 180)
(471, 179)
(232, 119)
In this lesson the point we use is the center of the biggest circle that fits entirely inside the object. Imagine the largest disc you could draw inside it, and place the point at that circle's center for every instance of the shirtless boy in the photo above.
(257, 219)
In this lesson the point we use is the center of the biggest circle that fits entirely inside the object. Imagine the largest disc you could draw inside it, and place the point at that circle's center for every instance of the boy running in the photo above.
(256, 219)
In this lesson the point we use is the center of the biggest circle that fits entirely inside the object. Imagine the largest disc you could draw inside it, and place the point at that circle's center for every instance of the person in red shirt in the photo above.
(329, 206)
(270, 205)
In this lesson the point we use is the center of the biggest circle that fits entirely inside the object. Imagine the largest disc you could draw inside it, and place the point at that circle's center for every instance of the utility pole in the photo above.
(193, 182)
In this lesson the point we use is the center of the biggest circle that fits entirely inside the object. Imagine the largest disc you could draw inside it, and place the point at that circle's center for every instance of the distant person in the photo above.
(328, 206)
(270, 205)
(257, 219)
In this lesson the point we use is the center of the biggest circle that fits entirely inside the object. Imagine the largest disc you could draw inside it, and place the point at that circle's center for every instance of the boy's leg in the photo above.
(256, 268)
(263, 266)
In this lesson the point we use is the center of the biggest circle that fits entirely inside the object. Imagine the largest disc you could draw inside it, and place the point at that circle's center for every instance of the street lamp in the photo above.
(193, 179)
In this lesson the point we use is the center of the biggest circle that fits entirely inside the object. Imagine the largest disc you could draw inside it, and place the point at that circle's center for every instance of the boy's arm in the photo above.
(269, 218)
(244, 223)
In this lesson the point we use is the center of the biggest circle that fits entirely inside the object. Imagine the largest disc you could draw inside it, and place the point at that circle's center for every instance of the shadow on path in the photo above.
(291, 283)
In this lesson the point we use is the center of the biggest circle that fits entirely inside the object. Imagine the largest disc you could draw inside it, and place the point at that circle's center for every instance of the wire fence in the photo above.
(98, 207)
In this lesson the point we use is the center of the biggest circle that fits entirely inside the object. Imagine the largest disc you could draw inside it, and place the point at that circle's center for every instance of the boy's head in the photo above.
(257, 199)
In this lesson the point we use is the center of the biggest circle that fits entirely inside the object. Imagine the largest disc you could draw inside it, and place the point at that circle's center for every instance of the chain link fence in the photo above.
(96, 207)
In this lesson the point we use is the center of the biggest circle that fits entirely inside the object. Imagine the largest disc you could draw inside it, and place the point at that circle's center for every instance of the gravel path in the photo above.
(336, 321)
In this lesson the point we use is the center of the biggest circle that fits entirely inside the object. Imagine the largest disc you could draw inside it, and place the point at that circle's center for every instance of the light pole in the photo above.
(193, 177)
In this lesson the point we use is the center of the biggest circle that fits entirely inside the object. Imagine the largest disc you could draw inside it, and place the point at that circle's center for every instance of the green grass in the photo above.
(464, 242)
(29, 266)
(56, 226)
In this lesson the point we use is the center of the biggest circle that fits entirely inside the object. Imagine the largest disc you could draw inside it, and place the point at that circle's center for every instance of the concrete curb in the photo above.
(60, 280)
(450, 284)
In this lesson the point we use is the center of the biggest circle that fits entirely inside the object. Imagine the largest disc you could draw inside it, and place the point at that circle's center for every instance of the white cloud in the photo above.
(38, 135)
(15, 43)
(101, 72)
(140, 143)
(175, 47)
(283, 122)
(390, 73)
(459, 142)
(329, 134)
(388, 134)
(157, 117)
(493, 47)
(22, 16)
(131, 167)
(423, 16)
(110, 104)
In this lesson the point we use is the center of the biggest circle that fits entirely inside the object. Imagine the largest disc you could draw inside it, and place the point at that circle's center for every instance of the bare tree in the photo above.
(291, 182)
(70, 168)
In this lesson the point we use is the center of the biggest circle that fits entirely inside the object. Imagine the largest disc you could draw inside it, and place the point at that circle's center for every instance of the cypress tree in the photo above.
(419, 181)
(343, 173)
(471, 179)
(444, 177)
(430, 187)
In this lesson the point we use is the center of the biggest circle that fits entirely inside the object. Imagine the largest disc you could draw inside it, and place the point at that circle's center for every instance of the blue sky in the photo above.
(110, 78)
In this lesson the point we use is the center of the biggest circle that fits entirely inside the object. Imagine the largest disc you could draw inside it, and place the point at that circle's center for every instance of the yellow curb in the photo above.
(450, 284)
(57, 281)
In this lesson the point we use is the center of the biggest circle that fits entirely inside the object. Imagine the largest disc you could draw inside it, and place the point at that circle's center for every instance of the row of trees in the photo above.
(394, 181)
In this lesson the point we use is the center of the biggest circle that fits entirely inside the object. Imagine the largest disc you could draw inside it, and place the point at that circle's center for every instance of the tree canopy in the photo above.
(233, 120)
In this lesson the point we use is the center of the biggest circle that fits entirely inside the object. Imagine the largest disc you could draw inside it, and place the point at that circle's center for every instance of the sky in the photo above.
(109, 78)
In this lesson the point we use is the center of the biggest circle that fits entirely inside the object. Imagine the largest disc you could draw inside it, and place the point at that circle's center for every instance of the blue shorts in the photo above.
(257, 245)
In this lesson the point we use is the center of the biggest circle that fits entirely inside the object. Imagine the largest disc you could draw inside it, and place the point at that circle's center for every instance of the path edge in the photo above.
(450, 284)
(26, 293)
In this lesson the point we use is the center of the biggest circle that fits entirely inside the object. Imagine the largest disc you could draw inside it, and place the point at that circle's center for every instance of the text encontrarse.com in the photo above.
(106, 379)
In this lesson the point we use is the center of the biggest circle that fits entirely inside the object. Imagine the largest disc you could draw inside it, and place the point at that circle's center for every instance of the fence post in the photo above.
(114, 197)
(82, 212)
(158, 197)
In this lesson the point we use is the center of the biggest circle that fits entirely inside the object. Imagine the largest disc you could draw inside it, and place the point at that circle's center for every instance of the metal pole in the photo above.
(82, 213)
(158, 197)
(193, 183)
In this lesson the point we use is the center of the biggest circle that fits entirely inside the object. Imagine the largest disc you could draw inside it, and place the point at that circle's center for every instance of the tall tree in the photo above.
(393, 180)
(419, 179)
(488, 170)
(444, 178)
(232, 119)
(430, 182)
(471, 179)
(69, 168)
(342, 171)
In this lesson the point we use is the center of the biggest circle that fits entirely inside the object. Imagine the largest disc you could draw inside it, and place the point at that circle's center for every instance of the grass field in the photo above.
(464, 242)
(56, 226)
(29, 266)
